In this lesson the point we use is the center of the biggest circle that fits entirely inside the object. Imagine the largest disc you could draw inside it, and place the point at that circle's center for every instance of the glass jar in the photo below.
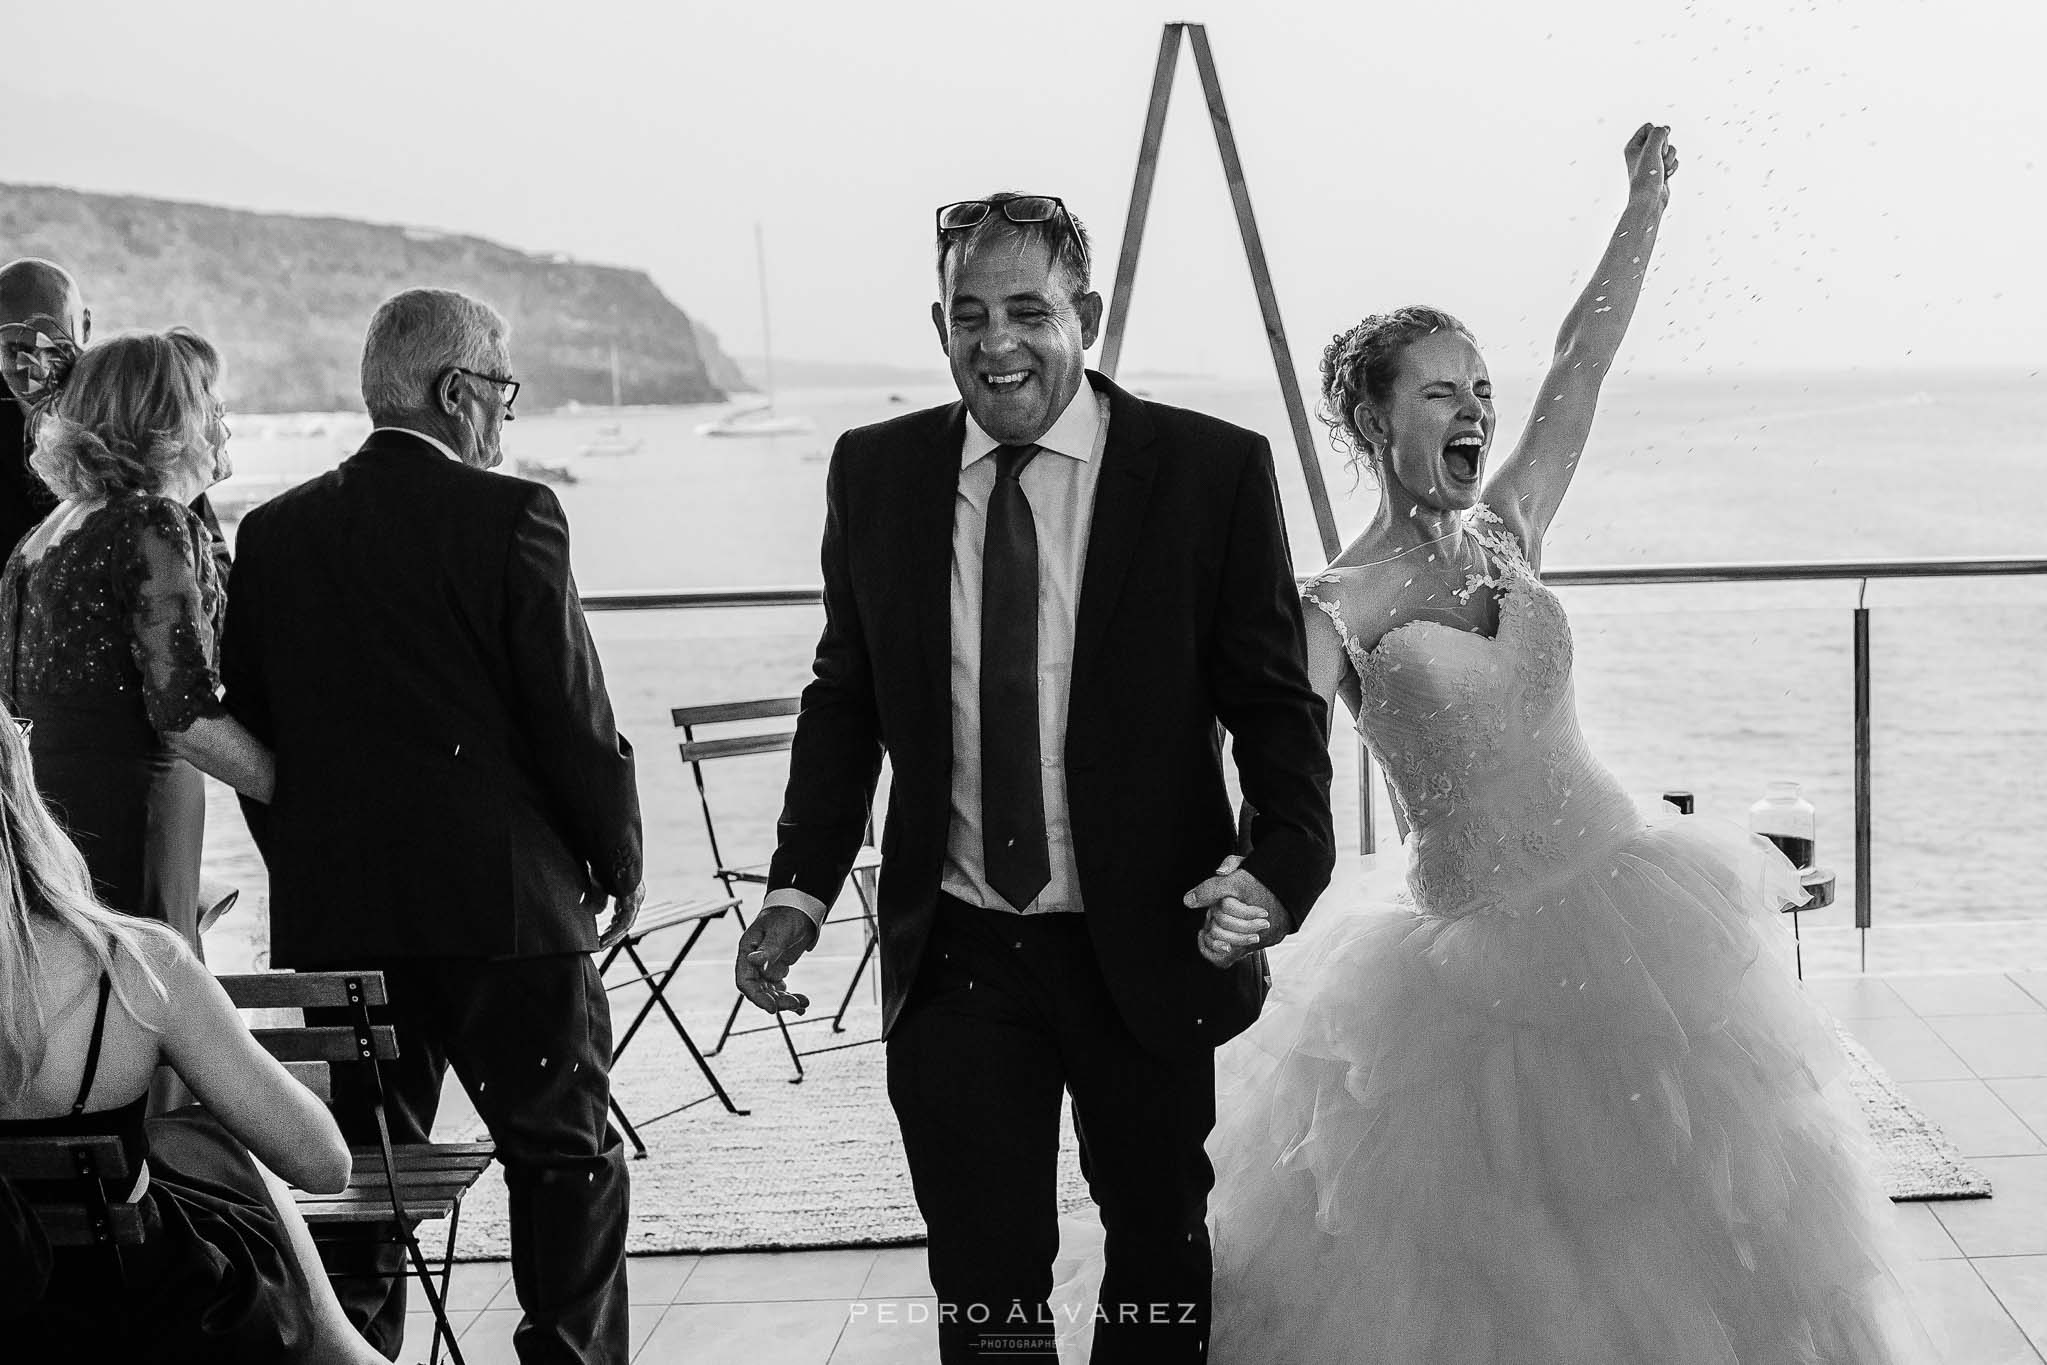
(1787, 820)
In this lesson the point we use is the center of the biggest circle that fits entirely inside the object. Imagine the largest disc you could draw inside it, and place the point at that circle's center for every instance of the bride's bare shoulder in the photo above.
(1369, 573)
(1367, 594)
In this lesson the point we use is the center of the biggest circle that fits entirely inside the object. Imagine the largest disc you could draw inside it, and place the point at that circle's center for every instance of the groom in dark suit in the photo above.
(454, 804)
(1039, 602)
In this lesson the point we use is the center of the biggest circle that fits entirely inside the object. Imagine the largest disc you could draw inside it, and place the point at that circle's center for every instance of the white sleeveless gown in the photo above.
(1558, 1100)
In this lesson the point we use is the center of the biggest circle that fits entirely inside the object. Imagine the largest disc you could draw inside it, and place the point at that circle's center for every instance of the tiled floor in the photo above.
(1970, 1049)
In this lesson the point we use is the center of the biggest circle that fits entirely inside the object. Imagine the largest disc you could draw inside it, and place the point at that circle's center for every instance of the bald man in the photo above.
(44, 324)
(43, 321)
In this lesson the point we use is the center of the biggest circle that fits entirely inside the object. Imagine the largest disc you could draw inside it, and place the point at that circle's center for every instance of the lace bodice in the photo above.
(1480, 742)
(128, 605)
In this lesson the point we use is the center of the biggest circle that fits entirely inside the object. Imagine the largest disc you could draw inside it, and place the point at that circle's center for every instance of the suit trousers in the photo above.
(530, 1039)
(1009, 1012)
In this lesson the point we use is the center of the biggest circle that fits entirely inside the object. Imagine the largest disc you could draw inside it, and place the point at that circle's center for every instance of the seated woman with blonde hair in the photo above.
(91, 1003)
(109, 615)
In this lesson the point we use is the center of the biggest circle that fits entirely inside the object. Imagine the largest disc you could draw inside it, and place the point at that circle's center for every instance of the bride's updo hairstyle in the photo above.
(1358, 366)
(133, 410)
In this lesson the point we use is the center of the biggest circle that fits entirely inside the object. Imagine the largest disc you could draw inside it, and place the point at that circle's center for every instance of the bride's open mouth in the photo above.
(1462, 458)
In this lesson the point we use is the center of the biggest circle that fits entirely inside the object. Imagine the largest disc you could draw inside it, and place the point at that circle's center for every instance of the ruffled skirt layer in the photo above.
(1600, 1126)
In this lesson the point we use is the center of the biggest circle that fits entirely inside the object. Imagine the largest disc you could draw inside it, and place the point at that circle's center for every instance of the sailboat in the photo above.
(759, 419)
(611, 438)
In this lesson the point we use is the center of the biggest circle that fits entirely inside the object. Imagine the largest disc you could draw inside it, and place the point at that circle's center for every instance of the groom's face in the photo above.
(1016, 333)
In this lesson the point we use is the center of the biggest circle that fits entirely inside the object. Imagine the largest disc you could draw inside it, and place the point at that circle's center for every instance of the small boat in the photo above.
(545, 471)
(759, 419)
(611, 440)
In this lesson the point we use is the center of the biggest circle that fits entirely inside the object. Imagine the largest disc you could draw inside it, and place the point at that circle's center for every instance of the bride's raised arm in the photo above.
(1529, 486)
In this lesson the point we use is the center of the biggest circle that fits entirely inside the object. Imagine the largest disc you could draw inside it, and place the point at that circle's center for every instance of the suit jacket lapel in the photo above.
(933, 488)
(1122, 492)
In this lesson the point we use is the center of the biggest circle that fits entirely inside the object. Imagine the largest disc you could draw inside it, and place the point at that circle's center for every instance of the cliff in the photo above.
(286, 299)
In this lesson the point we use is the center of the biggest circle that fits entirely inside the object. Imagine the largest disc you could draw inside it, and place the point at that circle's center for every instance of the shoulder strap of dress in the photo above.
(92, 1051)
(1330, 609)
(1490, 531)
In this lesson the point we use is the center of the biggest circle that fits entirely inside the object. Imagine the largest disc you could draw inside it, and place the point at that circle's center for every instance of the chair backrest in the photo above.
(89, 1219)
(697, 751)
(357, 1041)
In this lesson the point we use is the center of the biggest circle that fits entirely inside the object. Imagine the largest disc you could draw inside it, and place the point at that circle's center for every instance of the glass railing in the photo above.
(1904, 695)
(1906, 706)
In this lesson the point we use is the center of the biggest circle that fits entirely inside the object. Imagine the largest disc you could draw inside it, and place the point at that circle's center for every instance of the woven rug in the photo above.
(813, 1166)
(819, 1165)
(1915, 1158)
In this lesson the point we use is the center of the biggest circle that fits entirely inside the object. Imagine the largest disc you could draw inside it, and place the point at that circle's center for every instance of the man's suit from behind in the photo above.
(24, 500)
(1188, 615)
(453, 805)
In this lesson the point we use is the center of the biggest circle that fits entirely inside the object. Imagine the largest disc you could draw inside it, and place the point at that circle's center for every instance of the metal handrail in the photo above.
(1862, 571)
(1642, 575)
(1797, 571)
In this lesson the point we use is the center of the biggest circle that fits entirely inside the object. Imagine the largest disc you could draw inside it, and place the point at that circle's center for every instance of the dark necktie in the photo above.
(1013, 848)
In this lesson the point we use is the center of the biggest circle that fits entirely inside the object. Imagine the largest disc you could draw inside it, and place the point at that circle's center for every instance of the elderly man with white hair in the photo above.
(454, 803)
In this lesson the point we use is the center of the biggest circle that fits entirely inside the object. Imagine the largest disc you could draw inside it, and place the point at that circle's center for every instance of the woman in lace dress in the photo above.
(1550, 1093)
(108, 615)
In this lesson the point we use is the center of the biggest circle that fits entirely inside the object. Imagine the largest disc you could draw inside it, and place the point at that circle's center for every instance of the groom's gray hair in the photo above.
(418, 336)
(1072, 251)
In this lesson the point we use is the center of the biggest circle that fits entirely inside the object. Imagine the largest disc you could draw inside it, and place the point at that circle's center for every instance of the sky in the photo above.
(1862, 181)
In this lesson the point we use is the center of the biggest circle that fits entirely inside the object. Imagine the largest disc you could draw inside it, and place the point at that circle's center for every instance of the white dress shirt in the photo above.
(1059, 483)
(436, 442)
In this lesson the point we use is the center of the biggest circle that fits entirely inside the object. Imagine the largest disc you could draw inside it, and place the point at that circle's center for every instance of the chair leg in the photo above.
(731, 1018)
(660, 996)
(632, 1134)
(442, 1327)
(795, 1057)
(862, 889)
(655, 985)
(731, 1015)
(447, 1270)
(846, 1003)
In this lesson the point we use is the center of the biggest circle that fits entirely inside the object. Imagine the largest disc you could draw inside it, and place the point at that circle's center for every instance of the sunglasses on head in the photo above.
(1025, 208)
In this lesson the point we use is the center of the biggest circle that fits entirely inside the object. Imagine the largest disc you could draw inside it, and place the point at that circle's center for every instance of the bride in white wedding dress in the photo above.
(1553, 1097)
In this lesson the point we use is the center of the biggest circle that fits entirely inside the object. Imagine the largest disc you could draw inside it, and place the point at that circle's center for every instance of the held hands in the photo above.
(1243, 915)
(767, 950)
(1651, 162)
(624, 910)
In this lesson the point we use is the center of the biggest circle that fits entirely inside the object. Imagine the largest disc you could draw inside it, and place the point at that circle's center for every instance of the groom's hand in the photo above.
(767, 950)
(1243, 915)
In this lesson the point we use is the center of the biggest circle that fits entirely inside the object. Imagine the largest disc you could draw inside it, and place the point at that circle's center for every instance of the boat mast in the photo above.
(614, 376)
(760, 253)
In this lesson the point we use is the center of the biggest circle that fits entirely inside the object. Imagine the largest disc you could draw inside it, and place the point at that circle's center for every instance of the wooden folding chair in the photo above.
(391, 1186)
(653, 919)
(697, 752)
(84, 1216)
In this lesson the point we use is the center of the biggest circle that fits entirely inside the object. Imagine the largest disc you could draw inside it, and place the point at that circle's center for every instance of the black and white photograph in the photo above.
(918, 684)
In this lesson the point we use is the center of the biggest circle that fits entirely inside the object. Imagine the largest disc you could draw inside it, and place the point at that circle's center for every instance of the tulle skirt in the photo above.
(1602, 1127)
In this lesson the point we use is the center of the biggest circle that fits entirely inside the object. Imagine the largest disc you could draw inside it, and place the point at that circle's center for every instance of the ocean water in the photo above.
(1713, 689)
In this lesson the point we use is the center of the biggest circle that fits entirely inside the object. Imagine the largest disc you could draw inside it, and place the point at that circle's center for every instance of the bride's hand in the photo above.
(1243, 915)
(1651, 162)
